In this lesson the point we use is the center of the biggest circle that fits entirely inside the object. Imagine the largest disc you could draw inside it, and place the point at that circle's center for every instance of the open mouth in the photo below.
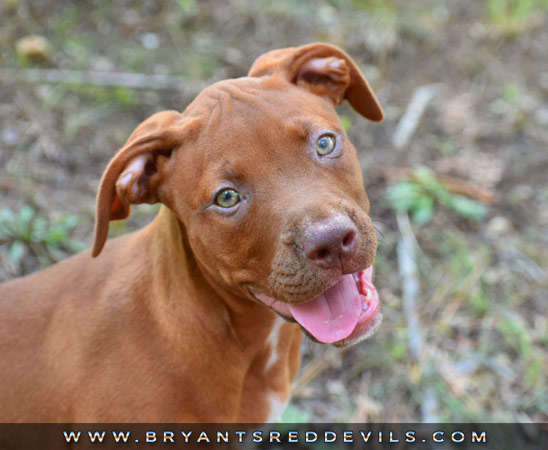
(343, 314)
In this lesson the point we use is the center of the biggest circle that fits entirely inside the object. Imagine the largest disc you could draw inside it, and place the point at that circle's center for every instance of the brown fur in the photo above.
(161, 324)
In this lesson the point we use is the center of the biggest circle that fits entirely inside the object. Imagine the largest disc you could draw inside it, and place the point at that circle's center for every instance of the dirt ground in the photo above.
(473, 346)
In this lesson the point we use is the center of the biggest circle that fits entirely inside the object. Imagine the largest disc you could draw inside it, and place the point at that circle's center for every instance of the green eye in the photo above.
(227, 198)
(325, 144)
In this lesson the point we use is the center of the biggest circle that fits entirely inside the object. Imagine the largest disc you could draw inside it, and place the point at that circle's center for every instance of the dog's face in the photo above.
(269, 191)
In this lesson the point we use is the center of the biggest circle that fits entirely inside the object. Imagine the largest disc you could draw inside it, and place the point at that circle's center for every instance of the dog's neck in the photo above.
(266, 351)
(175, 269)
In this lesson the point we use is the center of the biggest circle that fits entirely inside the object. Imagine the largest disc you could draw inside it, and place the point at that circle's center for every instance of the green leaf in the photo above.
(292, 414)
(7, 220)
(24, 218)
(60, 231)
(479, 302)
(69, 222)
(404, 195)
(39, 229)
(23, 223)
(468, 208)
(426, 179)
(55, 235)
(423, 210)
(511, 92)
(6, 215)
(397, 349)
(187, 5)
(346, 122)
(424, 175)
(17, 252)
(55, 253)
(74, 246)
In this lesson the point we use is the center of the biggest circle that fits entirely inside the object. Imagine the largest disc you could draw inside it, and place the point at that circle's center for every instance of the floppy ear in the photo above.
(324, 70)
(137, 172)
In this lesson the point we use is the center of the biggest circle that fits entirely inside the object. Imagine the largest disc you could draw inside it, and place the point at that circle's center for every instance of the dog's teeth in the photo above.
(366, 298)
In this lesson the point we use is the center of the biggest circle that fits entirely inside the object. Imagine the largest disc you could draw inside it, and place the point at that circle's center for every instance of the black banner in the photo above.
(420, 436)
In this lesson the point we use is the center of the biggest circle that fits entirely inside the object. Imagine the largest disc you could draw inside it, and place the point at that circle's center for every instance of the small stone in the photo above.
(335, 387)
(9, 137)
(33, 47)
(498, 226)
(150, 41)
(492, 276)
(541, 117)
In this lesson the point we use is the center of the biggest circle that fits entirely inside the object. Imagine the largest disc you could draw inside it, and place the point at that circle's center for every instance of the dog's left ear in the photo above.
(324, 70)
(137, 172)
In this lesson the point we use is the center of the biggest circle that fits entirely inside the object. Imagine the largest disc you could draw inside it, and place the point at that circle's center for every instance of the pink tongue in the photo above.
(333, 315)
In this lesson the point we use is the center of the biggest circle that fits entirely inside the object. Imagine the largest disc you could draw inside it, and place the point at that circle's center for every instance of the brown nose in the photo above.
(330, 242)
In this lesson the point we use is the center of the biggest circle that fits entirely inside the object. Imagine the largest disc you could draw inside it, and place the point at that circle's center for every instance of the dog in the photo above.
(263, 233)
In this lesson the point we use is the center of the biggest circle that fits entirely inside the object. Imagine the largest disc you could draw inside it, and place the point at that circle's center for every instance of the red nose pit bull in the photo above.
(264, 232)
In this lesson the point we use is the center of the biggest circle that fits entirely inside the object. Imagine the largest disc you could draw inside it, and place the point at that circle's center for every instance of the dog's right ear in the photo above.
(324, 70)
(137, 172)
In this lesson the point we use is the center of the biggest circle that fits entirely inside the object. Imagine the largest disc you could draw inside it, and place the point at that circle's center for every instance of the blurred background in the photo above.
(457, 173)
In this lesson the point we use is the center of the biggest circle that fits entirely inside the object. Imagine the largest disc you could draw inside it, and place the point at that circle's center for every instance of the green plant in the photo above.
(293, 414)
(419, 194)
(346, 122)
(26, 231)
(511, 92)
(512, 16)
(188, 6)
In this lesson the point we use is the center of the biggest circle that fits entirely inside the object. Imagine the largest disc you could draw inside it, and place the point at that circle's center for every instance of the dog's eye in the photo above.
(227, 198)
(325, 144)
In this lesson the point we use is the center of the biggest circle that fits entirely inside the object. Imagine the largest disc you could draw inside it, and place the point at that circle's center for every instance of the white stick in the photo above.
(410, 283)
(124, 79)
(409, 123)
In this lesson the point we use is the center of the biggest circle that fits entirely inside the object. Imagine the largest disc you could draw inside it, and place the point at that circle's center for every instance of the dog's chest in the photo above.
(274, 342)
(277, 396)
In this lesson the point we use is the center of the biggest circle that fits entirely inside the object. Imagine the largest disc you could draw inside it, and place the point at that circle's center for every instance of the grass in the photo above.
(420, 194)
(514, 17)
(26, 233)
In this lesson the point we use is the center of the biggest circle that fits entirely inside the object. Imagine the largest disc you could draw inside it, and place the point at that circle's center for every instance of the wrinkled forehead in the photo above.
(256, 106)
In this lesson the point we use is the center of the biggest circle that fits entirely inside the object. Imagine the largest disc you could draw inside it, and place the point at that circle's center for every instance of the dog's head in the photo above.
(268, 188)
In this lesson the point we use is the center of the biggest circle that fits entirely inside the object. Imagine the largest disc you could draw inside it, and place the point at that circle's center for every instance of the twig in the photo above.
(123, 79)
(410, 121)
(454, 185)
(525, 265)
(410, 283)
(27, 187)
